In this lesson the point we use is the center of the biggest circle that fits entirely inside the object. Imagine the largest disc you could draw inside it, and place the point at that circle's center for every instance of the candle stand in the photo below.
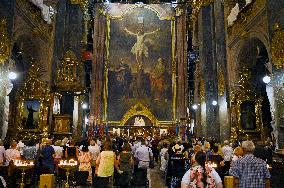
(68, 166)
(23, 166)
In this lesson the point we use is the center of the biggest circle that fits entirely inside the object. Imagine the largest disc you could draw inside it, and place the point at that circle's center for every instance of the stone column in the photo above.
(68, 36)
(208, 68)
(182, 81)
(221, 60)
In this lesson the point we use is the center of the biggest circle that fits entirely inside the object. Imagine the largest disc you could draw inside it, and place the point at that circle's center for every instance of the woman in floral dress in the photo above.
(201, 176)
(85, 158)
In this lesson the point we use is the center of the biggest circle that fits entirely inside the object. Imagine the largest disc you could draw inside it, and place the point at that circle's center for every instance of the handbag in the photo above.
(151, 162)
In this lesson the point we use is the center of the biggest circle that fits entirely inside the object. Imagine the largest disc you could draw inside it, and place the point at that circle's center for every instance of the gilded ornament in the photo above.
(81, 3)
(69, 74)
(245, 91)
(245, 16)
(4, 41)
(221, 83)
(202, 90)
(139, 109)
(197, 5)
(33, 89)
(277, 47)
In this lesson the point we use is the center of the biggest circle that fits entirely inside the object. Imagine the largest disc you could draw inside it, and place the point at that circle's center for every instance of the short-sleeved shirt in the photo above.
(142, 153)
(251, 171)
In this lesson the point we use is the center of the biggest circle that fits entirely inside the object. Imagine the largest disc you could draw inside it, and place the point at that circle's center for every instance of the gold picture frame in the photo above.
(127, 115)
(61, 124)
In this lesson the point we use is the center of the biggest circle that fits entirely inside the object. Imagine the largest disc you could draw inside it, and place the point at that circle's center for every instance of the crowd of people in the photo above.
(124, 161)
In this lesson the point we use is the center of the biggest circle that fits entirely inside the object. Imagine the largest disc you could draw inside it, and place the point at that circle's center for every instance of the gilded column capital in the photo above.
(81, 3)
(197, 5)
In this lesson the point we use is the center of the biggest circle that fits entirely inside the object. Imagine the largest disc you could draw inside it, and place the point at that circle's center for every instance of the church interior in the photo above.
(205, 69)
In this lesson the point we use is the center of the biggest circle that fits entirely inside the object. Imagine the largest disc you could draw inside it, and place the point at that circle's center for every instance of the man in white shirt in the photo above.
(143, 154)
(228, 151)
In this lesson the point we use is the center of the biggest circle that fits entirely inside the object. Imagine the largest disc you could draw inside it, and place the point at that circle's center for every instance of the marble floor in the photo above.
(157, 179)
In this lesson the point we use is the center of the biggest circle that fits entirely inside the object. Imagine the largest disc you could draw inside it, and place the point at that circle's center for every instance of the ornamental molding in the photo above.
(139, 109)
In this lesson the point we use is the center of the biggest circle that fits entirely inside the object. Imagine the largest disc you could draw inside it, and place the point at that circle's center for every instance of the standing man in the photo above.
(48, 155)
(251, 171)
(227, 150)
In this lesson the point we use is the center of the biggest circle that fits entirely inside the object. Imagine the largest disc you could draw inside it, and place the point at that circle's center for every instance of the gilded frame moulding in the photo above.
(277, 47)
(139, 109)
(107, 57)
(34, 89)
(4, 41)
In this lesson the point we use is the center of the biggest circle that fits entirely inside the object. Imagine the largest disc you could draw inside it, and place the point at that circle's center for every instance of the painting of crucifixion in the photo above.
(140, 64)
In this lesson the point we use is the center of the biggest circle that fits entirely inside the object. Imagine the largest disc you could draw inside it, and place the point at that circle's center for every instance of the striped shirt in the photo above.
(250, 171)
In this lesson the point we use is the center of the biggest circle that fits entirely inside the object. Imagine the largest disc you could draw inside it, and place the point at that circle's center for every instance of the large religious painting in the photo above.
(30, 119)
(140, 62)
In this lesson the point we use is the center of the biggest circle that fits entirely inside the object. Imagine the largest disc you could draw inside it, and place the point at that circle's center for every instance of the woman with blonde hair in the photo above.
(105, 166)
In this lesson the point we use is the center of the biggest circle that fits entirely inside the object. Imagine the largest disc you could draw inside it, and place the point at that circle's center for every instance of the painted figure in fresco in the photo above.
(157, 78)
(139, 48)
(30, 119)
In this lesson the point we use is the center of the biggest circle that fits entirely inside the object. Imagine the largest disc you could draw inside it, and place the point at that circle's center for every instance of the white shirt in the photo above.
(12, 154)
(228, 152)
(2, 153)
(214, 174)
(142, 153)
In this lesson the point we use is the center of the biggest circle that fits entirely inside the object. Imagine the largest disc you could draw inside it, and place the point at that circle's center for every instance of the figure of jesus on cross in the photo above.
(139, 48)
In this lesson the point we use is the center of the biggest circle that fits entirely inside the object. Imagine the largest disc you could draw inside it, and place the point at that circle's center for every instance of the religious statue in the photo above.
(30, 119)
(139, 48)
(248, 117)
(139, 121)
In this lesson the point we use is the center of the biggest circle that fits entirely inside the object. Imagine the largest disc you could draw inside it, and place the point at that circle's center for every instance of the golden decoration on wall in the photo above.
(242, 95)
(139, 109)
(202, 90)
(33, 98)
(245, 16)
(69, 74)
(221, 82)
(197, 5)
(277, 47)
(4, 41)
(81, 3)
